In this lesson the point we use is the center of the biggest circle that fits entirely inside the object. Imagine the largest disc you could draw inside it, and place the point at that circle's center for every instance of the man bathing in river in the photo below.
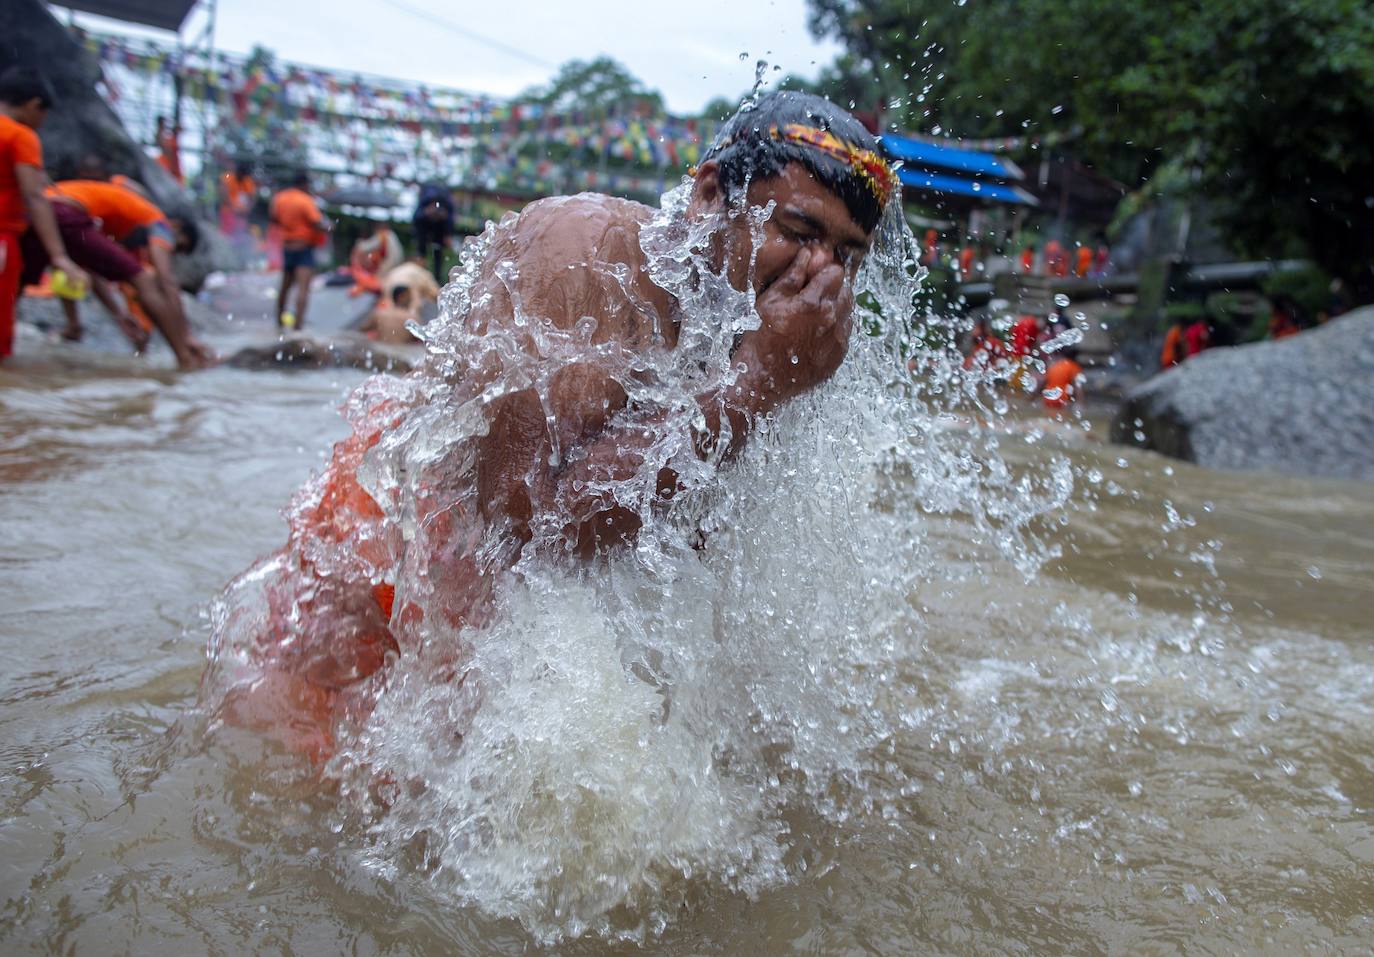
(328, 630)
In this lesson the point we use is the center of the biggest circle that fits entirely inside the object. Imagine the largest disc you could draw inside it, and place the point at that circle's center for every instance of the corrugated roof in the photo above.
(923, 153)
(163, 14)
(958, 186)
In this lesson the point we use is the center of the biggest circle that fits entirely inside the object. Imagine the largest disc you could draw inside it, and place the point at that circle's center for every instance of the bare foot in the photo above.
(135, 333)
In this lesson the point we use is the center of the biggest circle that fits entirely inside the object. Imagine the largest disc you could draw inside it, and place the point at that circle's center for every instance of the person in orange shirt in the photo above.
(24, 102)
(1056, 260)
(931, 247)
(1175, 349)
(121, 237)
(169, 150)
(1083, 261)
(237, 192)
(966, 261)
(1062, 380)
(303, 229)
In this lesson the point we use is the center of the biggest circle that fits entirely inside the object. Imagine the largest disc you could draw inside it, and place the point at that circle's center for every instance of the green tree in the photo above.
(1270, 101)
(597, 87)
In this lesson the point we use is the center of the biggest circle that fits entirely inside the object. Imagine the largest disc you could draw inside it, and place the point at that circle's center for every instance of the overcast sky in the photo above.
(690, 51)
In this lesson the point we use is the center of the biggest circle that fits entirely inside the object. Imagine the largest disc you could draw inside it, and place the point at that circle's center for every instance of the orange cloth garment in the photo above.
(1084, 262)
(19, 146)
(299, 218)
(966, 260)
(169, 156)
(119, 209)
(1060, 383)
(1175, 350)
(238, 192)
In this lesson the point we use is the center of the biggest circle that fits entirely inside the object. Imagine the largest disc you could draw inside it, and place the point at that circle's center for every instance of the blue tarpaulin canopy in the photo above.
(922, 153)
(977, 189)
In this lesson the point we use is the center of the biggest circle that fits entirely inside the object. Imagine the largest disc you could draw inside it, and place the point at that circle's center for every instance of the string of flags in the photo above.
(378, 123)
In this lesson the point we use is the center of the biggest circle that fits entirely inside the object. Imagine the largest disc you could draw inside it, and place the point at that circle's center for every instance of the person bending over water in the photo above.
(783, 208)
(118, 236)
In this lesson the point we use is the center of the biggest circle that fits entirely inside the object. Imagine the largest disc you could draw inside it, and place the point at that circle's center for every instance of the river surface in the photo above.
(1161, 742)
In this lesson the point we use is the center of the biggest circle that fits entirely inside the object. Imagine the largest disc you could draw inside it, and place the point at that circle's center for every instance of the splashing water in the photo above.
(576, 745)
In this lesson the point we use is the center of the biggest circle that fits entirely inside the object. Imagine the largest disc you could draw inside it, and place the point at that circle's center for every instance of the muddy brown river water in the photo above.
(1160, 743)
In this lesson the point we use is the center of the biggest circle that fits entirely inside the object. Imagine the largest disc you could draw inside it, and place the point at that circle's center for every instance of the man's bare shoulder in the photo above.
(568, 249)
(582, 228)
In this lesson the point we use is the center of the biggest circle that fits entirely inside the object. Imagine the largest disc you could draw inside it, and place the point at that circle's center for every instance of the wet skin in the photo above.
(802, 276)
(562, 260)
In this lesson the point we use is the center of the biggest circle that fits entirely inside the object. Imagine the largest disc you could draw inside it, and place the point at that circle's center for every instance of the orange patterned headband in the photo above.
(871, 168)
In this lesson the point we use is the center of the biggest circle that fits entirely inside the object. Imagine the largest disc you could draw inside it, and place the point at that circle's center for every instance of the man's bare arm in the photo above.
(32, 181)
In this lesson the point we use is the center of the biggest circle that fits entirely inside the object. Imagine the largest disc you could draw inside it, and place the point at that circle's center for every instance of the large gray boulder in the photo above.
(1302, 405)
(82, 123)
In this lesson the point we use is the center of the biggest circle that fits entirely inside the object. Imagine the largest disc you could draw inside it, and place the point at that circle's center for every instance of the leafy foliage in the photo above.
(596, 87)
(1271, 101)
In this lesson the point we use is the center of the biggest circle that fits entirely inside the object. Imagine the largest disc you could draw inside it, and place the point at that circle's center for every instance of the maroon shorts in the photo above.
(87, 246)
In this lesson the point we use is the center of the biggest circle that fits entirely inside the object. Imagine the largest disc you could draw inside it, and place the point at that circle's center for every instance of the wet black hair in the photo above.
(301, 179)
(190, 231)
(20, 84)
(745, 149)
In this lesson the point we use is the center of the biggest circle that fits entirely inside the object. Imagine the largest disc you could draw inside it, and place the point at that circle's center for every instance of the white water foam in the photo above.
(607, 736)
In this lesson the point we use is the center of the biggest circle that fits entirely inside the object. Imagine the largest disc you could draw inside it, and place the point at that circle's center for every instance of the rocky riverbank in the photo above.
(1303, 405)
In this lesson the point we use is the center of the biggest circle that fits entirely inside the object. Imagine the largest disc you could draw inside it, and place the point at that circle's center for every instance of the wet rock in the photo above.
(81, 123)
(1302, 405)
(337, 352)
